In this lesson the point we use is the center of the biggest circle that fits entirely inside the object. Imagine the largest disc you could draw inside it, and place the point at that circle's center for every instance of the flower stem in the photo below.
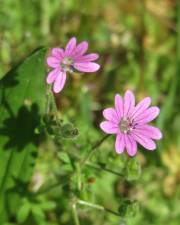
(97, 167)
(75, 215)
(78, 170)
(48, 100)
(55, 185)
(92, 205)
(93, 150)
(99, 207)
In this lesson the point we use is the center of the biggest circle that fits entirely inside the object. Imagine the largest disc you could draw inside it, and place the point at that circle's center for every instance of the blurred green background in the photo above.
(139, 49)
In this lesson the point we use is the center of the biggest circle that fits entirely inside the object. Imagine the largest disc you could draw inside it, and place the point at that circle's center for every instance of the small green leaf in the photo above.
(63, 156)
(38, 214)
(48, 205)
(23, 213)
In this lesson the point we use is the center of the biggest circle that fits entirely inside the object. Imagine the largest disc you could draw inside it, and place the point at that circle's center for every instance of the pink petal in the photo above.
(80, 49)
(119, 105)
(70, 47)
(53, 62)
(149, 131)
(111, 115)
(59, 82)
(87, 67)
(58, 52)
(109, 127)
(87, 58)
(148, 115)
(119, 144)
(131, 145)
(52, 76)
(141, 106)
(144, 141)
(129, 103)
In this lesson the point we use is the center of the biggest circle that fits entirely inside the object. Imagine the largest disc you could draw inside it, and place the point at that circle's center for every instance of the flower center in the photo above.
(125, 125)
(67, 64)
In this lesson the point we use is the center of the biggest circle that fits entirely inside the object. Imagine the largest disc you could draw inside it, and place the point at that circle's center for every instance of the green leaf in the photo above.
(38, 214)
(63, 156)
(48, 205)
(23, 213)
(22, 101)
(9, 224)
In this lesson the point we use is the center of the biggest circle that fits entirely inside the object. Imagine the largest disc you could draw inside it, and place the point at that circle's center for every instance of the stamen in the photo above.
(126, 125)
(67, 64)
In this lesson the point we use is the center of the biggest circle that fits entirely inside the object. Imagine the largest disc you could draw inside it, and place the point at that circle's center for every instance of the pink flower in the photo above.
(130, 123)
(72, 58)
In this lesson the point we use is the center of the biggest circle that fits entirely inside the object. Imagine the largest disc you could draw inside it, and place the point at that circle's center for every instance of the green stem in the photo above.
(51, 105)
(93, 150)
(97, 167)
(92, 205)
(45, 18)
(78, 170)
(58, 184)
(48, 100)
(75, 215)
(99, 207)
(79, 166)
(141, 45)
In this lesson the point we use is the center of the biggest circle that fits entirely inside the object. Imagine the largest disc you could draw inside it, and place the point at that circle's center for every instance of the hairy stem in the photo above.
(75, 214)
(98, 167)
(99, 207)
(79, 167)
(93, 150)
(55, 185)
(78, 172)
(48, 100)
